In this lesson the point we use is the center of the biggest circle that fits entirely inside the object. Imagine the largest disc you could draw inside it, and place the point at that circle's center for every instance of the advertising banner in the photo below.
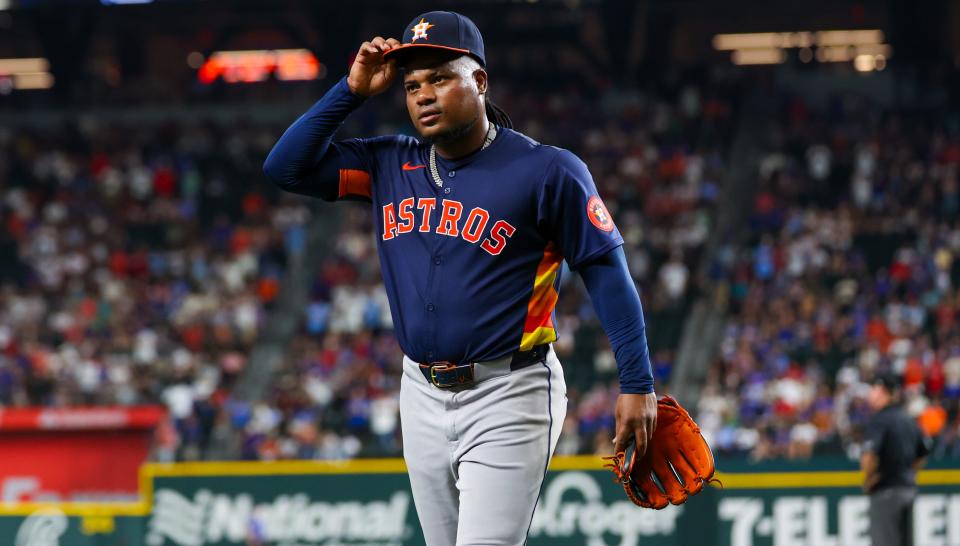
(52, 526)
(49, 455)
(368, 503)
(577, 507)
(828, 517)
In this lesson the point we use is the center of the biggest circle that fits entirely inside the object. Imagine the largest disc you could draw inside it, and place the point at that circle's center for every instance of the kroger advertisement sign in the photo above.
(312, 504)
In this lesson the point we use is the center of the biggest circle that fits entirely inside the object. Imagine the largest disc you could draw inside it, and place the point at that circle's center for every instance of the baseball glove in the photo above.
(677, 464)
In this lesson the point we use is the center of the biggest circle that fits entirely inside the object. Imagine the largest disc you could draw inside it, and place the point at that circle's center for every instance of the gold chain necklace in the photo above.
(491, 134)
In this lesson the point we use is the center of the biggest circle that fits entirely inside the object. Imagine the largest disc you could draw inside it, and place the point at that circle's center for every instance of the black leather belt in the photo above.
(447, 375)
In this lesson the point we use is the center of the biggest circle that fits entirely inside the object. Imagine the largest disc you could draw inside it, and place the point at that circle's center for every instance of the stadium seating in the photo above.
(850, 267)
(137, 266)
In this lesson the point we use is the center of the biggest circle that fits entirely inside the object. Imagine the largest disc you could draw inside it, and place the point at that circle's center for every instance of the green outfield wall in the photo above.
(368, 503)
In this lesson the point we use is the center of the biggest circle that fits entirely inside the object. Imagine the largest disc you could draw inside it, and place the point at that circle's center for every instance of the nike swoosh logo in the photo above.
(408, 167)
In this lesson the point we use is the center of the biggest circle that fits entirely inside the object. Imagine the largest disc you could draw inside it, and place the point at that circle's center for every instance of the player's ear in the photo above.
(480, 76)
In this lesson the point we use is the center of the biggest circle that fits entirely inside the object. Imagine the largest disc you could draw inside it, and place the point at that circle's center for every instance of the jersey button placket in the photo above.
(431, 313)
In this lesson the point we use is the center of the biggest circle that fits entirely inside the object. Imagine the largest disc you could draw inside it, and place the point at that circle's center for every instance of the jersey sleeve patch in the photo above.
(354, 183)
(598, 214)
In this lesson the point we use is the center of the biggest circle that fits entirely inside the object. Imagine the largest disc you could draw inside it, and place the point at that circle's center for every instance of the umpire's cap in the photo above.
(888, 380)
(444, 30)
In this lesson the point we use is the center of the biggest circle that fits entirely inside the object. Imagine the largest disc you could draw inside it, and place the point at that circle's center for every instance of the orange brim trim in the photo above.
(408, 47)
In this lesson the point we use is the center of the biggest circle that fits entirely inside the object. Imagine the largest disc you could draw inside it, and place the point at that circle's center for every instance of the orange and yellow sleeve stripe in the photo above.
(539, 328)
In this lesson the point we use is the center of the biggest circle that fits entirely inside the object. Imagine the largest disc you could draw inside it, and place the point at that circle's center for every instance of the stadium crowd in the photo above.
(851, 267)
(136, 267)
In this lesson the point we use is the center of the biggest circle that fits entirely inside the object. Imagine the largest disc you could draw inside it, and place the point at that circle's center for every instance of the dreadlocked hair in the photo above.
(497, 116)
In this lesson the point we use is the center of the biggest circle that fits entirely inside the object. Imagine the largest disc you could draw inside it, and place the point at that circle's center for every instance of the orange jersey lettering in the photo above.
(499, 234)
(448, 220)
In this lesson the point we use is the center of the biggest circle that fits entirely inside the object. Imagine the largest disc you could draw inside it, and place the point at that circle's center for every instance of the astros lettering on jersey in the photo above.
(480, 256)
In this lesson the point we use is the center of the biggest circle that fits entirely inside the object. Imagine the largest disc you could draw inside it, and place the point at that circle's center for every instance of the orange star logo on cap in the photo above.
(420, 30)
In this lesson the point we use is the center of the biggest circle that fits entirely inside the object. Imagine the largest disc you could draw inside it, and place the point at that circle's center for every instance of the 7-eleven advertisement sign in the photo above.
(74, 454)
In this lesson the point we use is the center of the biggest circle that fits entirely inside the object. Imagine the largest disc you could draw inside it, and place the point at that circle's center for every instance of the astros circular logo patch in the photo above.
(598, 214)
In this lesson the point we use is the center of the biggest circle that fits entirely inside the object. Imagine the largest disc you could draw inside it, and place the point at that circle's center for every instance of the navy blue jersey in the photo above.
(472, 268)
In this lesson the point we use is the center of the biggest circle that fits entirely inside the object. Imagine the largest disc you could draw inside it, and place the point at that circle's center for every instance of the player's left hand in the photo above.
(636, 416)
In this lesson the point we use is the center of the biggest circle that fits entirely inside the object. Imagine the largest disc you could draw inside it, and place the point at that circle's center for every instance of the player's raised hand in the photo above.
(636, 416)
(370, 74)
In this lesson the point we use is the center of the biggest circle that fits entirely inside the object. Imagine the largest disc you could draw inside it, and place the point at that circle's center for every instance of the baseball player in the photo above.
(472, 221)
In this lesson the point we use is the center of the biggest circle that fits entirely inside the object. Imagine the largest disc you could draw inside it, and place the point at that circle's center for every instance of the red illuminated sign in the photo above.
(257, 65)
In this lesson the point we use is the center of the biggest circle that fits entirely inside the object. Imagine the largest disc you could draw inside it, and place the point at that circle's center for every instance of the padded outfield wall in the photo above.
(368, 503)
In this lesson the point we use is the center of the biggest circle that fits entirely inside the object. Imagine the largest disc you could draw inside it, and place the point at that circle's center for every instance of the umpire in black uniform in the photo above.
(894, 450)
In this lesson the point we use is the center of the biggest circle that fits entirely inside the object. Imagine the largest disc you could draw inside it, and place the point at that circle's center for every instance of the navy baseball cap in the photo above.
(444, 30)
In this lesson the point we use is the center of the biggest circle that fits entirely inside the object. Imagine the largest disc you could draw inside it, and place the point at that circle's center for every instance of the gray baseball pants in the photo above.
(891, 516)
(477, 456)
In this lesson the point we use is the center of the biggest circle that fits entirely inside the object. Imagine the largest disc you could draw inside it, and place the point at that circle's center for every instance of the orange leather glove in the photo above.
(677, 464)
